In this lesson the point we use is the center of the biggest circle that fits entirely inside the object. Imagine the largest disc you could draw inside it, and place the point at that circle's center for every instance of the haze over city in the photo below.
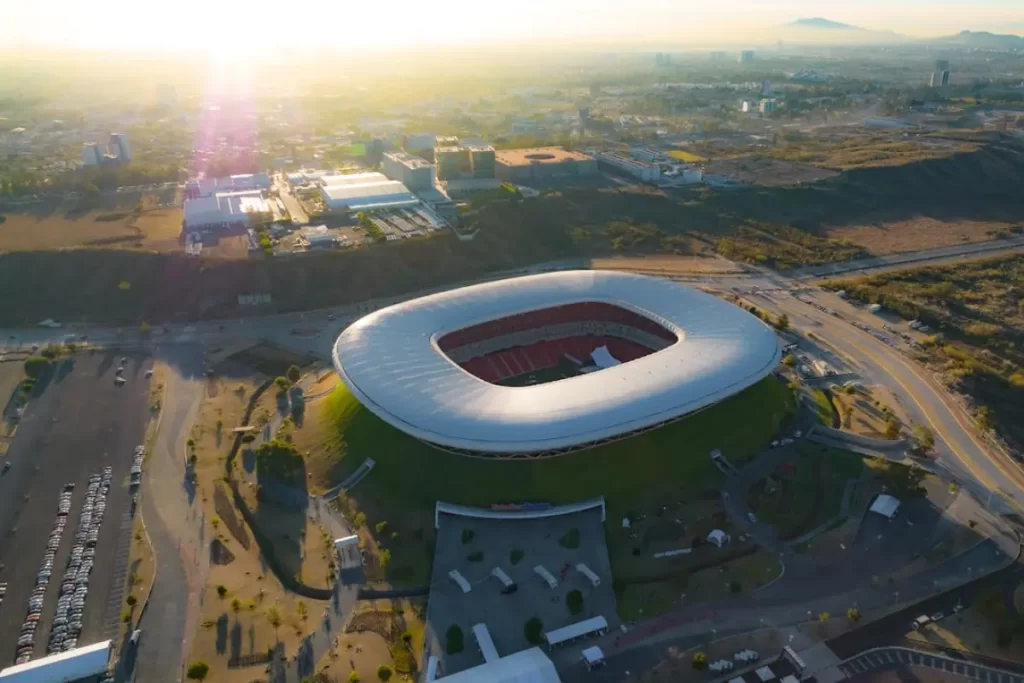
(195, 26)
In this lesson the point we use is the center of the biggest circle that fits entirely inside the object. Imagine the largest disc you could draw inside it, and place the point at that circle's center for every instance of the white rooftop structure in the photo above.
(391, 361)
(485, 643)
(541, 571)
(885, 505)
(527, 666)
(718, 537)
(581, 629)
(592, 656)
(460, 580)
(367, 196)
(588, 572)
(365, 178)
(207, 187)
(501, 576)
(225, 208)
(82, 662)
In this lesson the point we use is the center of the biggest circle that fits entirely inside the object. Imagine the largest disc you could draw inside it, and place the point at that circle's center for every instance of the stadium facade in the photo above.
(544, 364)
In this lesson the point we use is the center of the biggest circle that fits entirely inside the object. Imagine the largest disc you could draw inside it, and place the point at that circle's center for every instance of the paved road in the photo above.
(174, 526)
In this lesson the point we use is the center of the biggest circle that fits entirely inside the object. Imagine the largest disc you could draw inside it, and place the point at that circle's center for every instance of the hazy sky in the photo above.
(261, 25)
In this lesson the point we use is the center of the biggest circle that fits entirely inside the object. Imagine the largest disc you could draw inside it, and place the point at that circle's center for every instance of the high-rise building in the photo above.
(746, 56)
(940, 76)
(481, 159)
(766, 88)
(92, 155)
(120, 148)
(945, 78)
(767, 106)
(412, 171)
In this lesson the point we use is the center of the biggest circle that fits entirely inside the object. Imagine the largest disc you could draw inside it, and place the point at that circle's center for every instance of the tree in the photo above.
(534, 631)
(381, 527)
(293, 373)
(782, 322)
(789, 360)
(353, 677)
(222, 591)
(853, 614)
(385, 672)
(924, 437)
(282, 384)
(385, 558)
(274, 618)
(198, 670)
(302, 610)
(236, 605)
(574, 601)
(360, 519)
(35, 366)
(847, 415)
(983, 418)
(892, 427)
(131, 600)
(700, 661)
(453, 640)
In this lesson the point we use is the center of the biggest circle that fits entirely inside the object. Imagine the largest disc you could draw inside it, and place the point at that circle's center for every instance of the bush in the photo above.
(131, 600)
(853, 614)
(353, 677)
(406, 637)
(453, 640)
(534, 631)
(282, 384)
(574, 601)
(789, 360)
(571, 539)
(222, 591)
(467, 536)
(293, 374)
(476, 556)
(35, 366)
(198, 670)
(516, 556)
(382, 528)
(700, 661)
(385, 672)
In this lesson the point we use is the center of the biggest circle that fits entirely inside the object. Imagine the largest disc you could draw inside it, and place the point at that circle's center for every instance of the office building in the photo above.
(746, 56)
(767, 106)
(419, 143)
(412, 171)
(481, 160)
(92, 155)
(459, 161)
(120, 148)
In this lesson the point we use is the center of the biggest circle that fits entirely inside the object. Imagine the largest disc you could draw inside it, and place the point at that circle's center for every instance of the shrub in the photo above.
(381, 527)
(406, 637)
(516, 556)
(453, 640)
(853, 614)
(293, 374)
(385, 558)
(571, 539)
(222, 591)
(700, 661)
(126, 617)
(789, 359)
(476, 556)
(384, 672)
(35, 366)
(282, 384)
(467, 536)
(131, 600)
(534, 631)
(574, 601)
(353, 677)
(198, 670)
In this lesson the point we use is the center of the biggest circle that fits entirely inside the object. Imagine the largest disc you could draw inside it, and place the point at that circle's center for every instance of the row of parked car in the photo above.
(67, 621)
(27, 637)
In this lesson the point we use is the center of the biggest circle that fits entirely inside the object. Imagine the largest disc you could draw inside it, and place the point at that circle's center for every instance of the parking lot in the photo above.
(79, 424)
(505, 613)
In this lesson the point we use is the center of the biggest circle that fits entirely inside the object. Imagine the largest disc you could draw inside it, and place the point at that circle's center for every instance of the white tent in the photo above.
(718, 537)
(593, 657)
(542, 572)
(581, 629)
(500, 575)
(484, 642)
(458, 578)
(885, 505)
(603, 358)
(587, 572)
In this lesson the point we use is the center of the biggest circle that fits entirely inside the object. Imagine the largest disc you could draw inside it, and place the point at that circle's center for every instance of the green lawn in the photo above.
(414, 475)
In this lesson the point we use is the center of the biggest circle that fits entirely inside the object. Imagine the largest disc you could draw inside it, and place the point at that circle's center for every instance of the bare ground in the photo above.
(756, 170)
(916, 234)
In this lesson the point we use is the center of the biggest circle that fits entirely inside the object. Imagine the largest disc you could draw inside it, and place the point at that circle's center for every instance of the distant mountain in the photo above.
(998, 41)
(820, 22)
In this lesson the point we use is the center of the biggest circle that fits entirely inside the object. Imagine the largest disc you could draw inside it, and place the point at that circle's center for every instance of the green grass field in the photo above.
(670, 459)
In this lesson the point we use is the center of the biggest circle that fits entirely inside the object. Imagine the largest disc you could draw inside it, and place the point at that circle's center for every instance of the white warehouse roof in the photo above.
(391, 362)
(885, 505)
(386, 194)
(82, 662)
(226, 207)
(527, 666)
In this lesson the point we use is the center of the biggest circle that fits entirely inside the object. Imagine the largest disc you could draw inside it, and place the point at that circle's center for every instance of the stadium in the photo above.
(547, 364)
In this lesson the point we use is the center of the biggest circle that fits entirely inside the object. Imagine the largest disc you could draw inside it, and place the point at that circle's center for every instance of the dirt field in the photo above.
(115, 226)
(916, 233)
(969, 630)
(756, 170)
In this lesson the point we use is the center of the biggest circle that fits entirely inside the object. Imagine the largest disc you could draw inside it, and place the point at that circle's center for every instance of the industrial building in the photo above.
(542, 163)
(412, 171)
(364, 192)
(81, 664)
(641, 170)
(225, 213)
(208, 187)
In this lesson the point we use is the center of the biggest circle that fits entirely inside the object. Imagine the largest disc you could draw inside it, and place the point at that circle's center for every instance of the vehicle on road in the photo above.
(921, 622)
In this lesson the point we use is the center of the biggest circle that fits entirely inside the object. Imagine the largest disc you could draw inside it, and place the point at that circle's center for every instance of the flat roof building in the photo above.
(207, 187)
(527, 666)
(369, 196)
(79, 664)
(410, 170)
(225, 212)
(541, 163)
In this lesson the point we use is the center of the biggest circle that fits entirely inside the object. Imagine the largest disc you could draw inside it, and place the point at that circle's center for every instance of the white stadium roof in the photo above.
(391, 362)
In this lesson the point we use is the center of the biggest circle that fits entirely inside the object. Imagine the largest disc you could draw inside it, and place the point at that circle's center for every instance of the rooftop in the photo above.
(410, 160)
(224, 207)
(538, 155)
